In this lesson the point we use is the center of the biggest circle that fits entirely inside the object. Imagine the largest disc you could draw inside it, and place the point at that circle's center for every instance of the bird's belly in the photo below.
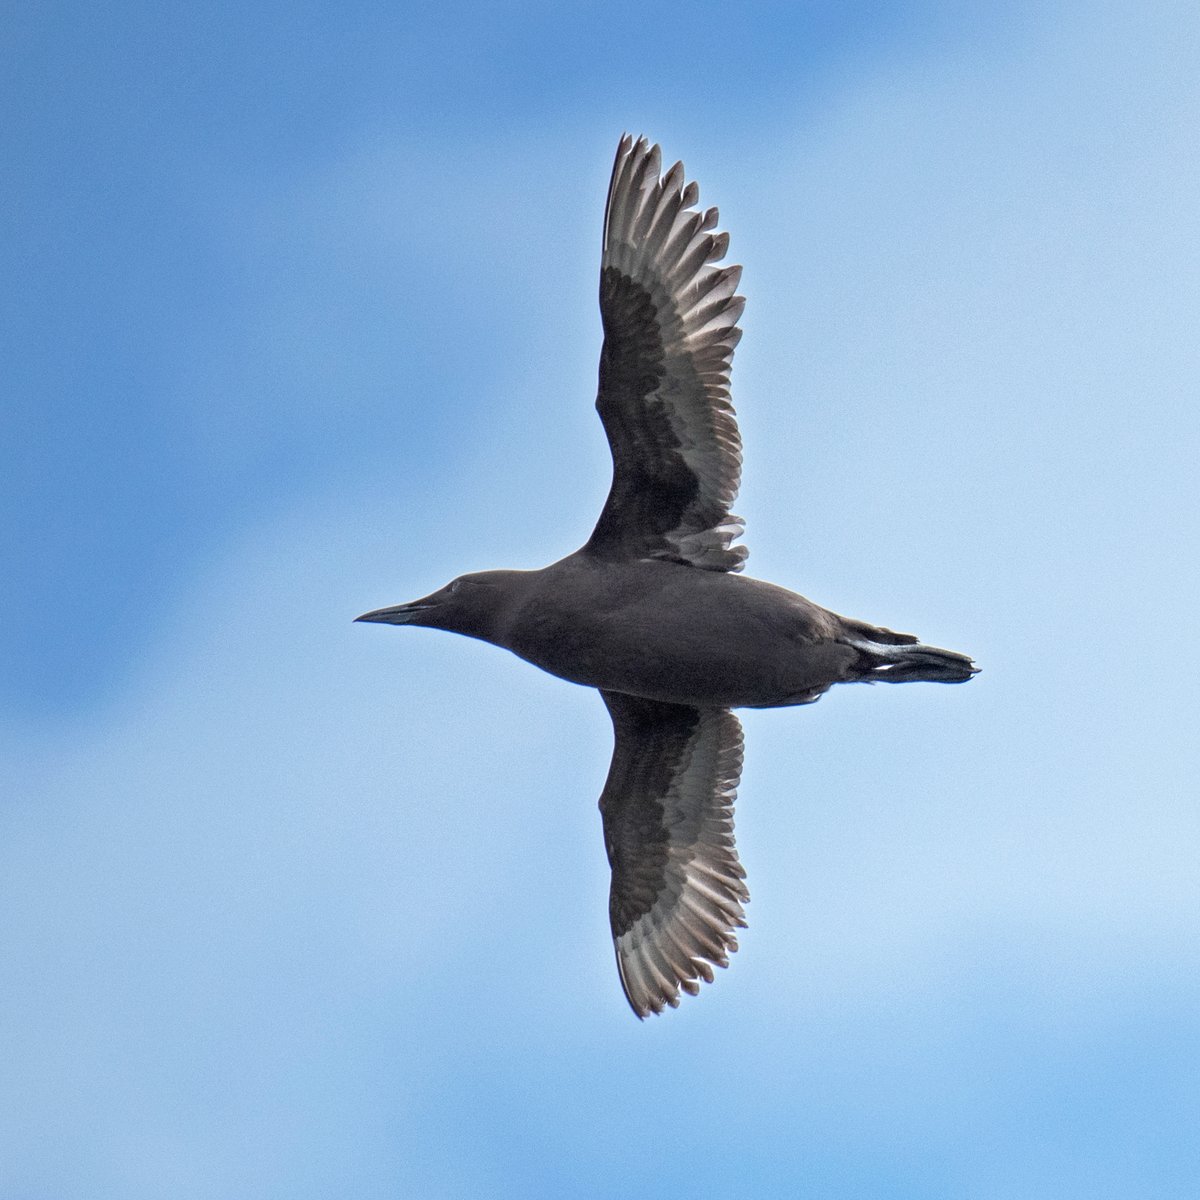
(682, 657)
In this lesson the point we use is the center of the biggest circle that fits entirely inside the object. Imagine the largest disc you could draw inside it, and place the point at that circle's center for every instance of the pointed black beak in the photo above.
(398, 614)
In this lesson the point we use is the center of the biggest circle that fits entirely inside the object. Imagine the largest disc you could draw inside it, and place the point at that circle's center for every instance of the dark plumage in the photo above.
(651, 611)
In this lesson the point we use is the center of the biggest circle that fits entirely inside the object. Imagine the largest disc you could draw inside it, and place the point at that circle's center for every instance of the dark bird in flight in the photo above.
(652, 612)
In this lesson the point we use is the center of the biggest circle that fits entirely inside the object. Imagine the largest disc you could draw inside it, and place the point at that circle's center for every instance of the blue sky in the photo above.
(304, 323)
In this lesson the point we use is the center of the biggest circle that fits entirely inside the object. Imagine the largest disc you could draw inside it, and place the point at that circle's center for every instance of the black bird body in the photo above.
(664, 631)
(652, 611)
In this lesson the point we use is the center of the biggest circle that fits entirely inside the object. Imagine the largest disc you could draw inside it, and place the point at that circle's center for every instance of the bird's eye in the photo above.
(456, 586)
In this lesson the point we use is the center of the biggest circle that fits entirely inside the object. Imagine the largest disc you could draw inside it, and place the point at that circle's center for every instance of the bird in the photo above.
(652, 611)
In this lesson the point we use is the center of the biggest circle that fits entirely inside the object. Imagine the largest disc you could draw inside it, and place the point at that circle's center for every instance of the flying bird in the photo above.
(652, 612)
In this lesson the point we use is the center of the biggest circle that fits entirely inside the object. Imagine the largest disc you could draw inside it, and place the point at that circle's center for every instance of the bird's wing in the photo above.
(670, 325)
(677, 885)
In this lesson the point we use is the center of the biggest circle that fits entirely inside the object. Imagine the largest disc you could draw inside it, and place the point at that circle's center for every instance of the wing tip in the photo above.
(650, 990)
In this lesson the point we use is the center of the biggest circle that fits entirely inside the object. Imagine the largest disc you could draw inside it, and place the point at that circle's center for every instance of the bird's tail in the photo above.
(889, 657)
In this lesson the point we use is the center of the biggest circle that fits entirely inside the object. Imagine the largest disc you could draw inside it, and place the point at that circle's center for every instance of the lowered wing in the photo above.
(677, 885)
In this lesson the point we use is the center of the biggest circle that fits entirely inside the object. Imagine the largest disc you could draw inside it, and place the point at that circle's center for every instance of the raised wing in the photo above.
(670, 326)
(677, 885)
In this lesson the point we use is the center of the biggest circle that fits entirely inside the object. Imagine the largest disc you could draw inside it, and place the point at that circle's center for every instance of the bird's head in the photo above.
(475, 605)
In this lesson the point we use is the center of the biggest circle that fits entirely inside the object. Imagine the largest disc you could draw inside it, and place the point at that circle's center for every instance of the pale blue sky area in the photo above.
(301, 321)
